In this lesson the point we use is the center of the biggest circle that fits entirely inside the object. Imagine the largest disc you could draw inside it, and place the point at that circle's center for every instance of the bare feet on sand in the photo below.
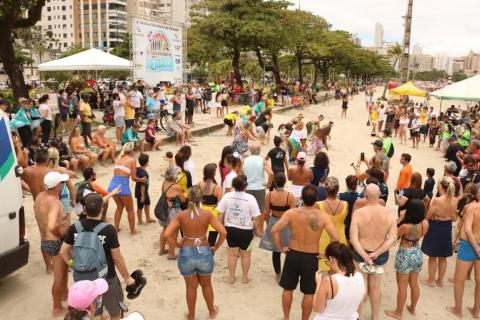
(428, 283)
(151, 221)
(49, 269)
(59, 312)
(411, 310)
(232, 280)
(162, 252)
(453, 311)
(393, 314)
(475, 314)
(135, 232)
(246, 280)
(439, 283)
(215, 313)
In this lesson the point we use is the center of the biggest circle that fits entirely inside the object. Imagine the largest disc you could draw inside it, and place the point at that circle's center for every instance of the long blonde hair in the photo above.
(448, 185)
(127, 148)
(53, 157)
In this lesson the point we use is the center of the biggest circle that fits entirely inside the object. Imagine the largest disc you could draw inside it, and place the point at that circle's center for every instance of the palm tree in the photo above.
(394, 52)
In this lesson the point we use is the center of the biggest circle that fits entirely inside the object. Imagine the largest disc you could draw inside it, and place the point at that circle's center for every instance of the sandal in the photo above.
(135, 289)
(373, 269)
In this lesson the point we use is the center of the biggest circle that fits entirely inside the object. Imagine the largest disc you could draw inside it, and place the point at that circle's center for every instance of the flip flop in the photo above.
(373, 269)
(137, 288)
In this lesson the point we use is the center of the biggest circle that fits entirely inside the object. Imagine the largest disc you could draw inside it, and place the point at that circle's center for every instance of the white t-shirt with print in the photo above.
(239, 208)
(298, 135)
(137, 99)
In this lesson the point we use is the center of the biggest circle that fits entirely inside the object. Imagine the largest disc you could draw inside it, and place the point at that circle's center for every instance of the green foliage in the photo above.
(76, 48)
(285, 42)
(459, 76)
(433, 75)
(200, 74)
(219, 69)
(123, 49)
(59, 76)
(22, 57)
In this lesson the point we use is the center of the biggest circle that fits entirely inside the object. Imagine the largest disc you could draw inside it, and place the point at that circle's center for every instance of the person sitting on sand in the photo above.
(85, 157)
(195, 260)
(106, 146)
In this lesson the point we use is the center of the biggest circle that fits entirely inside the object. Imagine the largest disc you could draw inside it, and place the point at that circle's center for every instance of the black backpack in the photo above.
(391, 151)
(161, 209)
(79, 195)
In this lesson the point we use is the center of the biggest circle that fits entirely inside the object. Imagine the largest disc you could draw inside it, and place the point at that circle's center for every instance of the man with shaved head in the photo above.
(372, 232)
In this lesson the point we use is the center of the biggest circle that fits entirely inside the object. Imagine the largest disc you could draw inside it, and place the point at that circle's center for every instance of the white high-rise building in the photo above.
(101, 23)
(417, 48)
(57, 24)
(378, 42)
(443, 62)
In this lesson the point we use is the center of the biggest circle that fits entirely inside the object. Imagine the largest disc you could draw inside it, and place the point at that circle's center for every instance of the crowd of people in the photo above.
(336, 269)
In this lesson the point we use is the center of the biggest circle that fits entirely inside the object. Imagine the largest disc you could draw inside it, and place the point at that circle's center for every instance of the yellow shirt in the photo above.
(245, 110)
(231, 116)
(270, 103)
(85, 111)
(129, 111)
(423, 118)
(374, 115)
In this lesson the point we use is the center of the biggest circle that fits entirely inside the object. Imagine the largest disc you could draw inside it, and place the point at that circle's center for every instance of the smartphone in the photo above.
(362, 156)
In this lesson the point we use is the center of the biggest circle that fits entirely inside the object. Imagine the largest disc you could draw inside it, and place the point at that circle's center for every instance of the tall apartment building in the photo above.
(421, 62)
(58, 25)
(472, 63)
(459, 64)
(379, 33)
(175, 11)
(443, 62)
(100, 23)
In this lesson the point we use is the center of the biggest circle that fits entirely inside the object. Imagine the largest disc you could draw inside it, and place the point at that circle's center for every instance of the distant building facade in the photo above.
(379, 35)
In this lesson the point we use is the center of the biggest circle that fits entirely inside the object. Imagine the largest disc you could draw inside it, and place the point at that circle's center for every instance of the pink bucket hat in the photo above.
(83, 293)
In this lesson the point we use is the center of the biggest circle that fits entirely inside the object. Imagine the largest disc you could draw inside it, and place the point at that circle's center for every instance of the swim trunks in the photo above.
(51, 247)
(301, 265)
(380, 261)
(466, 252)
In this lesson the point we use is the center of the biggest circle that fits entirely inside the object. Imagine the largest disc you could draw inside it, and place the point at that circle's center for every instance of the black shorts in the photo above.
(145, 203)
(150, 139)
(111, 298)
(129, 123)
(228, 122)
(63, 117)
(301, 265)
(239, 238)
(414, 133)
(396, 123)
(86, 128)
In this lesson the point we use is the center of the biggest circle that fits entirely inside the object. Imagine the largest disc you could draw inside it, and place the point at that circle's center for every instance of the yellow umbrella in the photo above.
(408, 89)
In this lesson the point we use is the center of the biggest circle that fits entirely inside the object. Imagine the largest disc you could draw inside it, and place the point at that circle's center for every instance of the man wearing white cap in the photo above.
(53, 224)
(299, 175)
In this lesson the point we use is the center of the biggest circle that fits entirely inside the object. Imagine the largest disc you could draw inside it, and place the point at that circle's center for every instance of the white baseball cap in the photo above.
(302, 156)
(134, 316)
(52, 179)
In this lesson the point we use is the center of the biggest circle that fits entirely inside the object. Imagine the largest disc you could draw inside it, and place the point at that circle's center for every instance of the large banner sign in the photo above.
(157, 51)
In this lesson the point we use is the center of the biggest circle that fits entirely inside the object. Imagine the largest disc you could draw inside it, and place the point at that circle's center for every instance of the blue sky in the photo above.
(440, 26)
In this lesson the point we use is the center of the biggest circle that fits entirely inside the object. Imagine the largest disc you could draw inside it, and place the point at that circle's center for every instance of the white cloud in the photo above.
(439, 26)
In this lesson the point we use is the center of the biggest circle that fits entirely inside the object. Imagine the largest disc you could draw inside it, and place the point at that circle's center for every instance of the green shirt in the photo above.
(387, 144)
(130, 136)
(465, 138)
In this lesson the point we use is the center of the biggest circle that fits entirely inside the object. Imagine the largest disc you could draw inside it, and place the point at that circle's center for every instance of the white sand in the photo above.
(26, 293)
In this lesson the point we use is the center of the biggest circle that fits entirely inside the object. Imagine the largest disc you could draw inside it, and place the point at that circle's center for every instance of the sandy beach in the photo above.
(26, 293)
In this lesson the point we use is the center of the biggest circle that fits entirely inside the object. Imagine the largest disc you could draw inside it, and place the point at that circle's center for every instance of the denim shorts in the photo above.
(195, 260)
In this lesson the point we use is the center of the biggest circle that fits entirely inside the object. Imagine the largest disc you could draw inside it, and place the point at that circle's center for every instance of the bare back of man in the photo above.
(301, 263)
(372, 232)
(53, 224)
(300, 176)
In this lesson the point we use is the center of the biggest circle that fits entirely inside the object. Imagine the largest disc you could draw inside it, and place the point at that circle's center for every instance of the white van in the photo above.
(13, 245)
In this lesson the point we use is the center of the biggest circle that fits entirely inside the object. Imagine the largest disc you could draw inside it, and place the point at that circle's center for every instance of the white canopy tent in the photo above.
(468, 90)
(88, 60)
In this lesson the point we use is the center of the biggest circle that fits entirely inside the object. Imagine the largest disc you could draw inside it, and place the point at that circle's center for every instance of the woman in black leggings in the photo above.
(212, 193)
(276, 203)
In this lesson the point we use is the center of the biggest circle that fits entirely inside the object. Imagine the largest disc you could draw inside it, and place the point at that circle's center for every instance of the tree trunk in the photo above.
(324, 72)
(300, 67)
(315, 72)
(12, 68)
(236, 65)
(276, 70)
